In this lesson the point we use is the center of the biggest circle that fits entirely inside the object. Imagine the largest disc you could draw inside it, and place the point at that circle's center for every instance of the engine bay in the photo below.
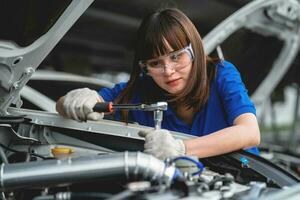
(47, 157)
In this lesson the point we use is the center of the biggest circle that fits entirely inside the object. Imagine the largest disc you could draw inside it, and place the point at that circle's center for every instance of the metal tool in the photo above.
(157, 109)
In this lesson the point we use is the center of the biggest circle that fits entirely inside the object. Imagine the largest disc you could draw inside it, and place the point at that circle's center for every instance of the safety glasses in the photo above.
(177, 60)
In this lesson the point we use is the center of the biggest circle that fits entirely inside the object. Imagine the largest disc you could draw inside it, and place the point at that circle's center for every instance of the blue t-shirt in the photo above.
(227, 100)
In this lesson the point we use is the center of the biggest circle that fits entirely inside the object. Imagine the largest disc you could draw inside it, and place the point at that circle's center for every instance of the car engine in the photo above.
(47, 157)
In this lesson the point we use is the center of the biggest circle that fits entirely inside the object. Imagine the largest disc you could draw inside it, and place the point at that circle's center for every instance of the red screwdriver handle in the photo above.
(103, 107)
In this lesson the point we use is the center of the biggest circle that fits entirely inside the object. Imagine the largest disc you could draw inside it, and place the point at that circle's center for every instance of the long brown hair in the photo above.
(174, 27)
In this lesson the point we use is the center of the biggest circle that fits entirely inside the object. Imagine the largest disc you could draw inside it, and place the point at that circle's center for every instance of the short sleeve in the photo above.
(233, 92)
(110, 94)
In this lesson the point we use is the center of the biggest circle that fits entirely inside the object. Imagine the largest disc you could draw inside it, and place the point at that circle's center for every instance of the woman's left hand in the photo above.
(162, 144)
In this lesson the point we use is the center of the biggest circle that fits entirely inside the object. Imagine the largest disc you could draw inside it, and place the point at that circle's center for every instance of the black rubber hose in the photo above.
(16, 151)
(89, 195)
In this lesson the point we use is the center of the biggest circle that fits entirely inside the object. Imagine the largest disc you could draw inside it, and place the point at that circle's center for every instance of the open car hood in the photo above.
(276, 18)
(18, 63)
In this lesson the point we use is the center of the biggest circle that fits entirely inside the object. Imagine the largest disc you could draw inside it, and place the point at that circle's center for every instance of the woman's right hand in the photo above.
(78, 105)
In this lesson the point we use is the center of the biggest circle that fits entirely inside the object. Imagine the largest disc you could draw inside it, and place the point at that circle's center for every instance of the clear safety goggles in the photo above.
(177, 60)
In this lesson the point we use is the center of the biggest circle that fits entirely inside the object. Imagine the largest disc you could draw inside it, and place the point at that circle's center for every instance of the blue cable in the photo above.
(198, 163)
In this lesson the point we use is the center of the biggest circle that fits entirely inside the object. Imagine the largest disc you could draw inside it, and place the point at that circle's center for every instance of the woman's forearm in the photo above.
(242, 135)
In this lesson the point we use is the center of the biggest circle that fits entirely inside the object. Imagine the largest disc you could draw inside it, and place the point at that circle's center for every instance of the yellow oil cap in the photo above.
(60, 152)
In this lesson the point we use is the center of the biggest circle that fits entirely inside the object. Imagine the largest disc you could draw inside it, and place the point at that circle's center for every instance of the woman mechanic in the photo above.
(206, 96)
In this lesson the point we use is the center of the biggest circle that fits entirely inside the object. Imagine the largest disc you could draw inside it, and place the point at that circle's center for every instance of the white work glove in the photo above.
(78, 104)
(161, 144)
